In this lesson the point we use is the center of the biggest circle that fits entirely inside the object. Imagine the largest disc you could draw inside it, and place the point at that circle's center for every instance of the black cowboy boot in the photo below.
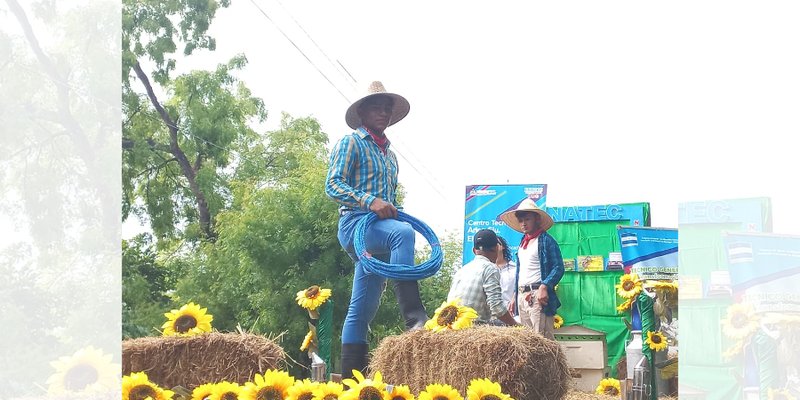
(407, 293)
(354, 356)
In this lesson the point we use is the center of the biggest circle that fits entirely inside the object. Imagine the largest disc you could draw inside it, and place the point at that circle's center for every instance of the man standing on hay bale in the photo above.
(539, 267)
(477, 284)
(362, 178)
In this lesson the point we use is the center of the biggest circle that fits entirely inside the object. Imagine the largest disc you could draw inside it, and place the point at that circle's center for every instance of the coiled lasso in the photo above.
(399, 271)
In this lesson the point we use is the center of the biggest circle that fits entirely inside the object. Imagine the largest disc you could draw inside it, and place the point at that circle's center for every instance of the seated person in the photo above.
(477, 284)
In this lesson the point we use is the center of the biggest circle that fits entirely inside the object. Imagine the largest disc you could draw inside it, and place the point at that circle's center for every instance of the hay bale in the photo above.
(208, 358)
(526, 365)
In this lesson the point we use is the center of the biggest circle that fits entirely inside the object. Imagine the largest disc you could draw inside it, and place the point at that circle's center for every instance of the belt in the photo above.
(528, 288)
(343, 211)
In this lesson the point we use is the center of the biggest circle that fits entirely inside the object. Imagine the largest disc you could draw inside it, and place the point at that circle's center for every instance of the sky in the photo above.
(605, 102)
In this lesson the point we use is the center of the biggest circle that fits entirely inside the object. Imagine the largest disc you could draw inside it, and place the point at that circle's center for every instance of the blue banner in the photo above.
(765, 270)
(651, 253)
(483, 205)
(753, 214)
(634, 213)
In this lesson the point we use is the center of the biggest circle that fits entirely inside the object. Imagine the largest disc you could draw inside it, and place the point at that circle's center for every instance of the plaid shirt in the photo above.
(477, 284)
(359, 172)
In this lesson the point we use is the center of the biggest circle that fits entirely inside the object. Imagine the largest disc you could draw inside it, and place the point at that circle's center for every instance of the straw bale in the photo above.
(195, 360)
(527, 365)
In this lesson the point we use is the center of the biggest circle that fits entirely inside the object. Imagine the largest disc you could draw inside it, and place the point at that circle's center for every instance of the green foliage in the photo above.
(212, 110)
(434, 289)
(149, 31)
(146, 282)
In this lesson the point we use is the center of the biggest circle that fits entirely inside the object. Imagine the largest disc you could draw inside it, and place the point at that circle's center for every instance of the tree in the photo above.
(178, 149)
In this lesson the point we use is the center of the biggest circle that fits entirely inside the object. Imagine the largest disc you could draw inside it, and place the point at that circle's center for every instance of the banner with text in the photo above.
(765, 270)
(483, 205)
(651, 253)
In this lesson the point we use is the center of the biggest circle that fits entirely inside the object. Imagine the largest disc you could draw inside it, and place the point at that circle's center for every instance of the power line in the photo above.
(353, 80)
(399, 153)
(301, 51)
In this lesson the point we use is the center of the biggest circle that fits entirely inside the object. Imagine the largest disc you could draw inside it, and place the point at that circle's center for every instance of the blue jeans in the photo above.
(388, 240)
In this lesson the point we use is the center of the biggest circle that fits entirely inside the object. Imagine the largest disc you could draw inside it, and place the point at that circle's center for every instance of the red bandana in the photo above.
(530, 236)
(381, 141)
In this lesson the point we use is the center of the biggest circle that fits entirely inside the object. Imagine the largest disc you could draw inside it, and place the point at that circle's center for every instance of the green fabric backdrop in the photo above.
(589, 299)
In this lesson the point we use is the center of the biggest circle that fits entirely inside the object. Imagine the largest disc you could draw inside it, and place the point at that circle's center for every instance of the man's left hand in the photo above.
(542, 295)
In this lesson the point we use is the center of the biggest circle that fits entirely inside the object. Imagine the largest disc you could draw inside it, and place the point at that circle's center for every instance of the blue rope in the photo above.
(399, 271)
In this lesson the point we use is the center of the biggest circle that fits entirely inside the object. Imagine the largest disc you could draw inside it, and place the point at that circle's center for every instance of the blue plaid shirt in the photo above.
(359, 172)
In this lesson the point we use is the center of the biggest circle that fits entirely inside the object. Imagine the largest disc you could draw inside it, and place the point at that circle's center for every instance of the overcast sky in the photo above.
(605, 102)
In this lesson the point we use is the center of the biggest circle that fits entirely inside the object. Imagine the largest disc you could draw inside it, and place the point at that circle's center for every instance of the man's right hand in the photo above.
(383, 209)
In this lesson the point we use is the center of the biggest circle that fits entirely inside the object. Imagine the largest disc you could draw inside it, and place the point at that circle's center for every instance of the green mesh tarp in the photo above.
(589, 299)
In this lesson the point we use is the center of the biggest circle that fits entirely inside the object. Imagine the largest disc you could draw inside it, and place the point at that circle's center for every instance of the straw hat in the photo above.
(527, 205)
(399, 110)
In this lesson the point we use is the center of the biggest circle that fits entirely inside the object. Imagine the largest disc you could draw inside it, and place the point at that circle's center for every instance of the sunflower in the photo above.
(484, 389)
(189, 320)
(302, 390)
(626, 305)
(226, 391)
(451, 315)
(328, 391)
(629, 286)
(203, 391)
(775, 394)
(312, 297)
(656, 341)
(400, 392)
(362, 388)
(273, 385)
(740, 321)
(557, 321)
(436, 391)
(608, 387)
(307, 341)
(88, 370)
(136, 386)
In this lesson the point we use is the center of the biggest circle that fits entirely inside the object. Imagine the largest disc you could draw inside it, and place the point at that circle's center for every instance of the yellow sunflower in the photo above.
(273, 385)
(451, 315)
(136, 386)
(776, 394)
(312, 297)
(626, 305)
(400, 392)
(302, 390)
(557, 321)
(656, 341)
(226, 391)
(203, 391)
(740, 321)
(307, 341)
(362, 388)
(88, 370)
(629, 286)
(608, 387)
(189, 320)
(484, 389)
(328, 391)
(436, 391)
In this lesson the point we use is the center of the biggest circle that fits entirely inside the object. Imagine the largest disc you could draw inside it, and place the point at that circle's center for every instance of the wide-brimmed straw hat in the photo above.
(399, 109)
(546, 221)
